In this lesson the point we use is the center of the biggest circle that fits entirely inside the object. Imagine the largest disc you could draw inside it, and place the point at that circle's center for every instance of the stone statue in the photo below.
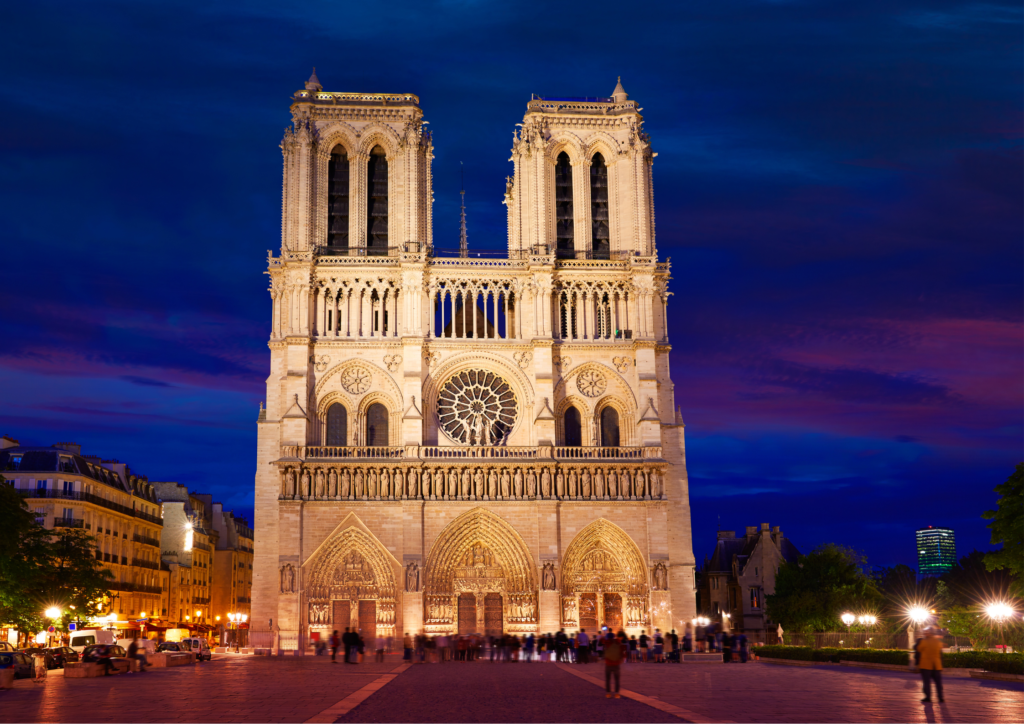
(545, 483)
(306, 484)
(287, 578)
(414, 491)
(505, 481)
(400, 491)
(371, 483)
(599, 489)
(531, 483)
(517, 484)
(320, 483)
(587, 491)
(548, 577)
(574, 489)
(385, 483)
(478, 483)
(569, 610)
(492, 484)
(332, 490)
(467, 484)
(412, 577)
(360, 486)
(655, 485)
(613, 484)
(660, 577)
(346, 483)
(290, 483)
(560, 484)
(453, 484)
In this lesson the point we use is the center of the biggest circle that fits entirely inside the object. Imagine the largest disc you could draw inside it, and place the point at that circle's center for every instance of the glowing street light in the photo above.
(848, 619)
(867, 620)
(918, 614)
(53, 612)
(1000, 611)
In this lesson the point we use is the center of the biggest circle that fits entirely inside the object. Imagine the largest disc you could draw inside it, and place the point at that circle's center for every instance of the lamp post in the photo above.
(917, 614)
(999, 612)
(867, 620)
(52, 613)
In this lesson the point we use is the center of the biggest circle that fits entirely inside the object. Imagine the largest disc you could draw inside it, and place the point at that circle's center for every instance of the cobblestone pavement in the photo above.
(310, 689)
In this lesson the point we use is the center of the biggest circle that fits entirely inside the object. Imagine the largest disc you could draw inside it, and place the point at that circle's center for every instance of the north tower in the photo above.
(468, 444)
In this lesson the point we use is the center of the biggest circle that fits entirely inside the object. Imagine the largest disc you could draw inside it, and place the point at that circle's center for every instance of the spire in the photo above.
(313, 84)
(463, 242)
(619, 94)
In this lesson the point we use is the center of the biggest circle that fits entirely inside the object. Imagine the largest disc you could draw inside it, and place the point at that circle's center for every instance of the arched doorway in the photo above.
(604, 580)
(480, 578)
(351, 581)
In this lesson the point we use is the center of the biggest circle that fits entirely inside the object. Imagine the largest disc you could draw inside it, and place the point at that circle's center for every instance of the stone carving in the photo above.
(356, 380)
(412, 577)
(659, 577)
(332, 487)
(562, 363)
(287, 578)
(591, 383)
(318, 613)
(477, 408)
(393, 362)
(321, 363)
(621, 363)
(548, 577)
(523, 359)
(305, 484)
(319, 491)
(432, 358)
(569, 610)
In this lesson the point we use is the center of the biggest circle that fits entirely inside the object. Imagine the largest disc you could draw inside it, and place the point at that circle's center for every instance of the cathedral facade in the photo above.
(467, 443)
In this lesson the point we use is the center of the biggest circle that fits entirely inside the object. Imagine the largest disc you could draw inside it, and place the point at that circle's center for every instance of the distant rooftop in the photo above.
(570, 99)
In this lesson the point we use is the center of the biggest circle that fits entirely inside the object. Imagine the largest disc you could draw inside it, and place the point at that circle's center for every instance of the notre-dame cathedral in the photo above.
(458, 442)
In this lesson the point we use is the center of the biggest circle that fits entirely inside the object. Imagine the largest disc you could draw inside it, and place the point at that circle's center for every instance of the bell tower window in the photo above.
(609, 427)
(573, 428)
(377, 425)
(564, 236)
(600, 237)
(337, 183)
(377, 203)
(337, 425)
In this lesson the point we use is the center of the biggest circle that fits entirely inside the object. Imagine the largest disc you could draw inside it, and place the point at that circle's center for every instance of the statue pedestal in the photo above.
(550, 611)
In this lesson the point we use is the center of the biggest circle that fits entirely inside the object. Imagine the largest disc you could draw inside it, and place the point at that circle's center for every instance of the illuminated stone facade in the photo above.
(464, 443)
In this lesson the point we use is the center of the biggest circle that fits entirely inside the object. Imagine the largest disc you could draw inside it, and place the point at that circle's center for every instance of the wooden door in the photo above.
(494, 620)
(368, 622)
(341, 616)
(467, 613)
(588, 611)
(613, 611)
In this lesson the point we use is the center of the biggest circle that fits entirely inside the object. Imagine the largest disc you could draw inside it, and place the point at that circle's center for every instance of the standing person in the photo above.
(644, 645)
(561, 644)
(335, 641)
(614, 652)
(348, 640)
(930, 664)
(407, 645)
(688, 638)
(380, 644)
(582, 647)
(528, 648)
(39, 661)
(699, 636)
(360, 647)
(659, 647)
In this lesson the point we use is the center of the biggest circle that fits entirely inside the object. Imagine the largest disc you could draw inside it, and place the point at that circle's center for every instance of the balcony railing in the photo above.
(243, 599)
(200, 601)
(140, 563)
(68, 523)
(470, 452)
(201, 546)
(58, 494)
(139, 588)
(145, 540)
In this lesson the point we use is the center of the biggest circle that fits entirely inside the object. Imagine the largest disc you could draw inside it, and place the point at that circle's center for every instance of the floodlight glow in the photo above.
(999, 611)
(848, 618)
(53, 612)
(918, 614)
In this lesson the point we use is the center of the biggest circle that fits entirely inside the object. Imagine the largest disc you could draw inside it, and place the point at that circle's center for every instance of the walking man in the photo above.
(930, 649)
(582, 647)
(334, 647)
(614, 651)
(349, 640)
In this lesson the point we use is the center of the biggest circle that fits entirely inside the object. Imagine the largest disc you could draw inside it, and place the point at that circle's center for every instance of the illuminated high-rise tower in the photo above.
(936, 551)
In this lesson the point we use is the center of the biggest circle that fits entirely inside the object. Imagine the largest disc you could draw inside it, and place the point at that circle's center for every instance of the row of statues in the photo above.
(583, 482)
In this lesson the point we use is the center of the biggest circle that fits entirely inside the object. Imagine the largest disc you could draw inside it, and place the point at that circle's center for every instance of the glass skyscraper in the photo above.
(936, 551)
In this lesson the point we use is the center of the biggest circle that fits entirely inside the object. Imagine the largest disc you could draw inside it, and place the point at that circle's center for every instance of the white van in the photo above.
(201, 648)
(88, 637)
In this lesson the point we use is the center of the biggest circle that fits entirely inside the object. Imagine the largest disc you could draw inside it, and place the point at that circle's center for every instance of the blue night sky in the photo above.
(838, 186)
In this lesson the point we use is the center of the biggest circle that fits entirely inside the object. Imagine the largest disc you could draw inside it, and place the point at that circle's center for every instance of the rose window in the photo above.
(591, 383)
(477, 408)
(356, 380)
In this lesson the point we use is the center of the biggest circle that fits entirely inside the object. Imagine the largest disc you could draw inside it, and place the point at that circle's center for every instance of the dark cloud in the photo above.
(838, 184)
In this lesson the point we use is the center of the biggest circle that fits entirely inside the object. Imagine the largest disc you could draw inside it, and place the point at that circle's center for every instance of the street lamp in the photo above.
(1000, 611)
(918, 614)
(53, 613)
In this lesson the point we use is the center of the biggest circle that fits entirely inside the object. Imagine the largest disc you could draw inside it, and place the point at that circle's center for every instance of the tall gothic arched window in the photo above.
(337, 425)
(564, 237)
(609, 427)
(600, 238)
(337, 183)
(573, 427)
(377, 203)
(377, 425)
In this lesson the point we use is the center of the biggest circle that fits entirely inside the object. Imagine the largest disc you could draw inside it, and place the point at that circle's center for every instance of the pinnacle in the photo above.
(619, 94)
(313, 84)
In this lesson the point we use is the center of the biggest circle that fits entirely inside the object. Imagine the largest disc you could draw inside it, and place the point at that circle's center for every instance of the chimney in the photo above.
(726, 534)
(764, 527)
(751, 530)
(71, 447)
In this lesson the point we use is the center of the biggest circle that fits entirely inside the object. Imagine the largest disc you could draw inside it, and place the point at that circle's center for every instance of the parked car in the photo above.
(4, 646)
(63, 655)
(201, 648)
(33, 650)
(173, 646)
(21, 663)
(89, 637)
(93, 652)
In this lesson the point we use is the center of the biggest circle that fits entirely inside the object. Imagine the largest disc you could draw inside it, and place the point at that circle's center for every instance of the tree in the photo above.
(815, 590)
(969, 623)
(1007, 528)
(973, 584)
(40, 568)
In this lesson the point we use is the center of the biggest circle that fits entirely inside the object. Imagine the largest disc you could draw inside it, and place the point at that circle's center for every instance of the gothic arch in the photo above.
(326, 578)
(603, 558)
(336, 133)
(568, 142)
(381, 380)
(586, 418)
(490, 362)
(322, 407)
(608, 147)
(394, 417)
(618, 393)
(377, 134)
(458, 538)
(627, 427)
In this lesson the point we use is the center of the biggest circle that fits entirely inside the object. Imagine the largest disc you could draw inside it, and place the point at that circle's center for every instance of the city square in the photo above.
(370, 365)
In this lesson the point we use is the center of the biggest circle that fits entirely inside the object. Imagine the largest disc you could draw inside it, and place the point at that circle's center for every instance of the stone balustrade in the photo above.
(468, 452)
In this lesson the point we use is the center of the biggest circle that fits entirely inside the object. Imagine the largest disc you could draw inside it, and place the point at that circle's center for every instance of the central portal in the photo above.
(493, 615)
(467, 613)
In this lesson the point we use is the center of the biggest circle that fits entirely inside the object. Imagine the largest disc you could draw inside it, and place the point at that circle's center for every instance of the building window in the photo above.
(377, 202)
(573, 428)
(337, 182)
(717, 609)
(69, 486)
(337, 425)
(377, 425)
(40, 485)
(40, 516)
(755, 598)
(14, 462)
(600, 238)
(609, 427)
(564, 236)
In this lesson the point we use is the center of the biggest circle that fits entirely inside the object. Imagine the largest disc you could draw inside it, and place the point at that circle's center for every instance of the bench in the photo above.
(699, 658)
(171, 658)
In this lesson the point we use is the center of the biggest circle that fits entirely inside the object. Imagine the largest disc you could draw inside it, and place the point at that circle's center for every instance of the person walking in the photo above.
(582, 647)
(407, 646)
(644, 645)
(379, 649)
(930, 664)
(614, 652)
(348, 640)
(39, 662)
(335, 641)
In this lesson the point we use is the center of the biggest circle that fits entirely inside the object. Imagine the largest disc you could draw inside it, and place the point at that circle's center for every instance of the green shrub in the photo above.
(795, 653)
(899, 657)
(987, 660)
